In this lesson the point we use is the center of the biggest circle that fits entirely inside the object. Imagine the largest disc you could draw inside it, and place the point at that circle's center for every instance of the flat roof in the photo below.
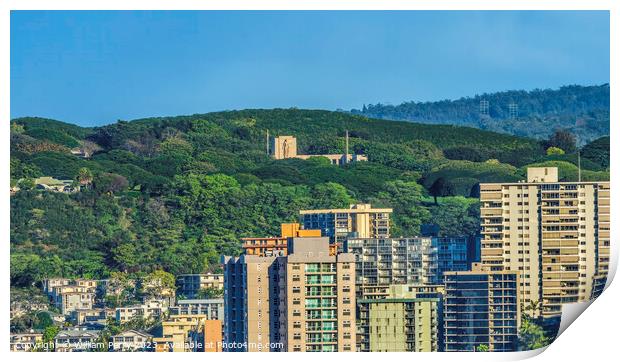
(343, 211)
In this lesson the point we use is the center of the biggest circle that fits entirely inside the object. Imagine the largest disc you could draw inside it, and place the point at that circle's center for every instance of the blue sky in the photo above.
(92, 68)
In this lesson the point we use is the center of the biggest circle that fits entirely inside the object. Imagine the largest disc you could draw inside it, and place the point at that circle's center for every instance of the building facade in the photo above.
(304, 301)
(359, 220)
(212, 308)
(189, 285)
(283, 147)
(276, 245)
(179, 333)
(152, 309)
(132, 341)
(380, 263)
(555, 234)
(481, 310)
(403, 321)
(26, 342)
(78, 341)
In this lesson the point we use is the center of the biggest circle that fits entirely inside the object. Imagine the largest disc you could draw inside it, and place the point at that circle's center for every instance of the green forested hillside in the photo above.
(584, 110)
(174, 193)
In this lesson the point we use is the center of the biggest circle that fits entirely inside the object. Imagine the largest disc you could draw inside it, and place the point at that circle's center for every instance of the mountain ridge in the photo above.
(584, 110)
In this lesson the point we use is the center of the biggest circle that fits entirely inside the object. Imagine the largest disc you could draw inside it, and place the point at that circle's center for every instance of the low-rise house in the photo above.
(132, 341)
(95, 315)
(48, 183)
(212, 308)
(77, 341)
(25, 342)
(151, 309)
(178, 333)
(49, 284)
(71, 298)
(69, 295)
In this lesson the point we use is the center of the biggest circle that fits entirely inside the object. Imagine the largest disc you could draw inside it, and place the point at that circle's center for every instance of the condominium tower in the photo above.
(418, 260)
(554, 234)
(304, 301)
(380, 263)
(359, 220)
(481, 309)
(408, 319)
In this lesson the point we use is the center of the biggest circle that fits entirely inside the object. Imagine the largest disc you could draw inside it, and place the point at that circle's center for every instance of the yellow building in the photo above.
(176, 333)
(554, 234)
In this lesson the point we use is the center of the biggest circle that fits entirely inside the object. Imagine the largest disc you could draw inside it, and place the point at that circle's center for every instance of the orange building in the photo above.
(213, 336)
(276, 245)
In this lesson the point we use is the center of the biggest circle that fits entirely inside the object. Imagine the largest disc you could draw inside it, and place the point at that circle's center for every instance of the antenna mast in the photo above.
(346, 150)
(579, 163)
(578, 158)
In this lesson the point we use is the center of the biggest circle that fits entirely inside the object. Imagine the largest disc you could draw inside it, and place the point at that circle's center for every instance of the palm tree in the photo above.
(534, 306)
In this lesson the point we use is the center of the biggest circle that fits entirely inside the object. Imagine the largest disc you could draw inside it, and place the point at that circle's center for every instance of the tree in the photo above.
(84, 176)
(110, 183)
(406, 199)
(330, 195)
(456, 216)
(26, 184)
(531, 335)
(564, 140)
(158, 284)
(437, 189)
(49, 334)
(554, 151)
(482, 348)
(210, 293)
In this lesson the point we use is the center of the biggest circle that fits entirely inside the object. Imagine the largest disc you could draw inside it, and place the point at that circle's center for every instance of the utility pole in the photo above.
(267, 143)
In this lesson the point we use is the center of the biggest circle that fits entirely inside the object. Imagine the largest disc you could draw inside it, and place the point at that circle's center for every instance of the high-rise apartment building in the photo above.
(408, 319)
(304, 301)
(380, 263)
(360, 221)
(418, 260)
(554, 234)
(481, 309)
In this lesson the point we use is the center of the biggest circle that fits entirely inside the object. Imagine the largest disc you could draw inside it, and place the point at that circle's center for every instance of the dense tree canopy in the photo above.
(583, 110)
(172, 194)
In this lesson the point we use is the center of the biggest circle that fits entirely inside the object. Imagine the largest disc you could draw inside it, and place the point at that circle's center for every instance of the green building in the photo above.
(404, 321)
